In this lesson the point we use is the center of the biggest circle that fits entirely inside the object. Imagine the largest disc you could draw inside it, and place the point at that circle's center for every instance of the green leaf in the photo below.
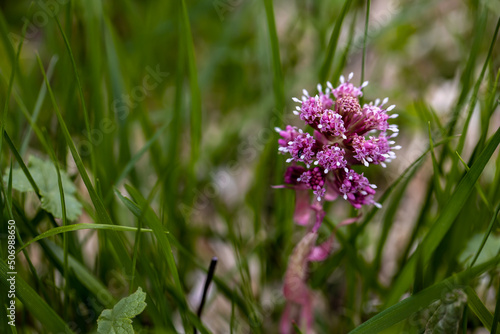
(405, 308)
(119, 319)
(45, 175)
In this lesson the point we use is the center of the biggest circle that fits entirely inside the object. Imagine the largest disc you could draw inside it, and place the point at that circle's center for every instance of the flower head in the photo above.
(339, 140)
(322, 162)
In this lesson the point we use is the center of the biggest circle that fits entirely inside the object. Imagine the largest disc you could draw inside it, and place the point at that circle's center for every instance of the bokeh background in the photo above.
(182, 98)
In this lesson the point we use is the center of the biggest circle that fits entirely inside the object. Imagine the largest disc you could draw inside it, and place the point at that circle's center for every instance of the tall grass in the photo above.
(163, 115)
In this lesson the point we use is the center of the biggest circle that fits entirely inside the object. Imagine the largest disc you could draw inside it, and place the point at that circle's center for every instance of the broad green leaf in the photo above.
(45, 175)
(489, 250)
(119, 319)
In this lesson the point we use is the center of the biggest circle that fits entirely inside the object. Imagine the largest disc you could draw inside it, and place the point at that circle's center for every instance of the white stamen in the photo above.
(319, 199)
(373, 186)
(320, 126)
(305, 92)
(302, 156)
(383, 165)
(378, 205)
(366, 163)
(295, 112)
(350, 76)
(326, 171)
(345, 197)
(298, 179)
(298, 108)
(300, 131)
(377, 101)
(320, 89)
(316, 163)
(346, 169)
(397, 147)
(384, 101)
(391, 107)
(394, 116)
(278, 130)
(308, 166)
(296, 100)
(369, 159)
(327, 92)
(290, 143)
(364, 84)
(363, 192)
(304, 99)
(338, 163)
(342, 80)
(343, 136)
(392, 142)
(289, 160)
(329, 84)
(394, 135)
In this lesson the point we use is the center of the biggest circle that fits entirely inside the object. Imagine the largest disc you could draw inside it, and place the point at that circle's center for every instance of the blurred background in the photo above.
(178, 101)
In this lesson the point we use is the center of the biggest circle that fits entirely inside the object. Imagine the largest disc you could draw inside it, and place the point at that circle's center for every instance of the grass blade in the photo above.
(444, 221)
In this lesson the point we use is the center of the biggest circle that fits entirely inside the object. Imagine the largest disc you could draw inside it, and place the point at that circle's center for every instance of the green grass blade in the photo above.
(415, 303)
(164, 245)
(279, 94)
(83, 226)
(196, 111)
(477, 306)
(37, 307)
(80, 88)
(83, 275)
(365, 37)
(332, 45)
(443, 223)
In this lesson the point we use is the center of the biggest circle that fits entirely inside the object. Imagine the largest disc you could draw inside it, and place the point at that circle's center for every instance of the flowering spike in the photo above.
(345, 134)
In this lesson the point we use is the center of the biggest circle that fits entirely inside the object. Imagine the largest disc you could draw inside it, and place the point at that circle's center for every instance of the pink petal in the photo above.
(321, 252)
(320, 138)
(302, 215)
(349, 221)
(331, 193)
(320, 214)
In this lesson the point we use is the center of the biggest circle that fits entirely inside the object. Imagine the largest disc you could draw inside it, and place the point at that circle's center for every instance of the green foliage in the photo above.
(119, 319)
(44, 174)
(168, 109)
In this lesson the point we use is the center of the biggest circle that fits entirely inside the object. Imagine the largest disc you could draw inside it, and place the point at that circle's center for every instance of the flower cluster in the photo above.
(345, 134)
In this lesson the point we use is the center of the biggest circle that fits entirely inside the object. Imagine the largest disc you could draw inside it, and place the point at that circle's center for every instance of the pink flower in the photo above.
(339, 141)
(299, 297)
(322, 164)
